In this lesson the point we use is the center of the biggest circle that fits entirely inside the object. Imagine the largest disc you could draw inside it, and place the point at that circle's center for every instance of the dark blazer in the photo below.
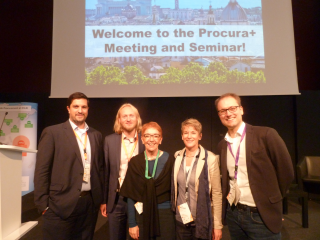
(112, 154)
(59, 169)
(270, 172)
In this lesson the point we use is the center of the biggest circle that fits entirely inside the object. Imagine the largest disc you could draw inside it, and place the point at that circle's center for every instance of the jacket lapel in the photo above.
(223, 156)
(249, 137)
(92, 145)
(176, 168)
(118, 149)
(72, 139)
(200, 165)
(140, 144)
(177, 164)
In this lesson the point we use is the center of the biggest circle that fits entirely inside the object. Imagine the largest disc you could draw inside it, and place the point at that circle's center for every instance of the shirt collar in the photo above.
(124, 137)
(75, 127)
(238, 134)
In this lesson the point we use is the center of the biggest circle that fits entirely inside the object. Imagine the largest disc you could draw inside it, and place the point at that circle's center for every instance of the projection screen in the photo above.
(176, 48)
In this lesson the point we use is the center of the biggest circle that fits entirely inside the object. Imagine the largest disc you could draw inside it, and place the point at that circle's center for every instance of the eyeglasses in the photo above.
(154, 136)
(230, 109)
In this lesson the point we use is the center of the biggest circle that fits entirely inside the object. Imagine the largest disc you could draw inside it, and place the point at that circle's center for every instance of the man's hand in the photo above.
(103, 209)
(216, 234)
(134, 232)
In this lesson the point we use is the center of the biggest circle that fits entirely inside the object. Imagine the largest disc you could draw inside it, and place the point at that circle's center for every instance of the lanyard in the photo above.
(84, 144)
(132, 150)
(146, 174)
(238, 153)
(188, 174)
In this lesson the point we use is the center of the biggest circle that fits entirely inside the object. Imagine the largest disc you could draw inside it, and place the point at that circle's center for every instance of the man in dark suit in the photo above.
(119, 148)
(68, 180)
(256, 172)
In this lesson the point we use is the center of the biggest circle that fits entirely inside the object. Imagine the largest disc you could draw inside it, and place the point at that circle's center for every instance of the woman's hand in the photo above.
(134, 232)
(216, 234)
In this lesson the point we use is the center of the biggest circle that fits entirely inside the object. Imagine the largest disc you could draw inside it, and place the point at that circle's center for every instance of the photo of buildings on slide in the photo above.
(120, 68)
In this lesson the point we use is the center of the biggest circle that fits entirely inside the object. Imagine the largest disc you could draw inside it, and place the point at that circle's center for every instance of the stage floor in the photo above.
(292, 225)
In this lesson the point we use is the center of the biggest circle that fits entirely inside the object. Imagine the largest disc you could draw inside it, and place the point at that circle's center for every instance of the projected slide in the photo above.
(144, 42)
(173, 48)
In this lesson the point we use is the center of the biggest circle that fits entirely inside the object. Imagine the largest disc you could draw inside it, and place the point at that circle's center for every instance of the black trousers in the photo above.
(185, 232)
(118, 220)
(79, 225)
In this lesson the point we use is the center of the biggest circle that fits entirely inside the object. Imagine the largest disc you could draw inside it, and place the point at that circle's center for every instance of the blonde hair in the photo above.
(117, 127)
(192, 122)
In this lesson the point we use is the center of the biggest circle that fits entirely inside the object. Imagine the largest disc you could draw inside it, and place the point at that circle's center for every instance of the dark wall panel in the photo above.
(308, 124)
(273, 111)
(25, 46)
(168, 112)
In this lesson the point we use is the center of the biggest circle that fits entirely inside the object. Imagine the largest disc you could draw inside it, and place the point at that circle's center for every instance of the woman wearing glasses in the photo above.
(197, 197)
(147, 186)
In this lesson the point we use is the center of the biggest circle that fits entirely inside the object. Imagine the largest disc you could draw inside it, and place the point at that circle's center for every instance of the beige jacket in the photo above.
(214, 180)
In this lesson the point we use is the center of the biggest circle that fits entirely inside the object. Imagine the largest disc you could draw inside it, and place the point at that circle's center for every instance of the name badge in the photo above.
(234, 194)
(139, 207)
(185, 213)
(86, 175)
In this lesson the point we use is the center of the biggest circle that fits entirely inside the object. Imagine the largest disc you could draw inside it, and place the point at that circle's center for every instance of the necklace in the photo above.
(194, 153)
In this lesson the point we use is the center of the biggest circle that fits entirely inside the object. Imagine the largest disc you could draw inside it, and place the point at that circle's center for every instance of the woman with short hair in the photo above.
(196, 197)
(147, 186)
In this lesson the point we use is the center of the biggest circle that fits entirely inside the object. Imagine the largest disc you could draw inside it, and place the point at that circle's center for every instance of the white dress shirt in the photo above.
(86, 186)
(129, 143)
(242, 177)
